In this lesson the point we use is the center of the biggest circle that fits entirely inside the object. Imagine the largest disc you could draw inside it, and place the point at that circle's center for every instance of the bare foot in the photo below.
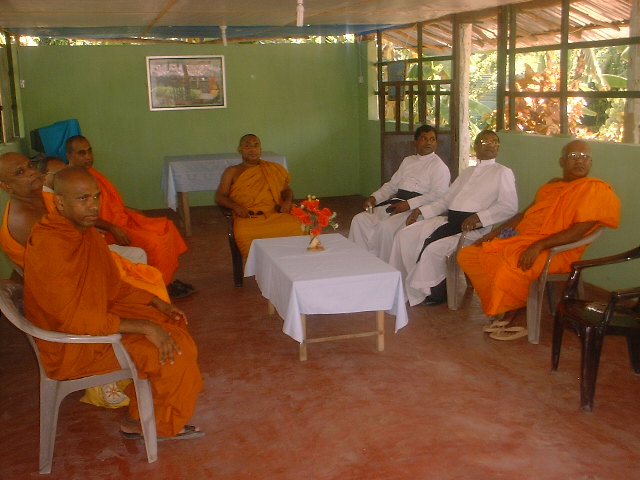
(514, 318)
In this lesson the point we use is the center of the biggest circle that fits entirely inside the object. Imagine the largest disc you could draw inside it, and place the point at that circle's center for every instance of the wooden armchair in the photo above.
(591, 321)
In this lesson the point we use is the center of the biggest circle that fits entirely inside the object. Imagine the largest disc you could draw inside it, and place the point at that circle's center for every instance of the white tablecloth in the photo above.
(196, 173)
(343, 278)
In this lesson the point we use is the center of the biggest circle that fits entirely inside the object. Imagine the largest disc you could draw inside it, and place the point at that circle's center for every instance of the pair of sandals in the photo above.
(499, 330)
(188, 432)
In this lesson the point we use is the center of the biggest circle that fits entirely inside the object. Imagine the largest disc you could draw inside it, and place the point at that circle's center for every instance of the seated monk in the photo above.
(72, 285)
(259, 195)
(48, 166)
(28, 203)
(503, 263)
(157, 236)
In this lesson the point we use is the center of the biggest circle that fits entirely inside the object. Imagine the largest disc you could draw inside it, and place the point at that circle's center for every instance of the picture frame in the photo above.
(186, 82)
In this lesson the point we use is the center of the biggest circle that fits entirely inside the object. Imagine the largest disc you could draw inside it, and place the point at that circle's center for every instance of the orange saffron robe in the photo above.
(10, 246)
(72, 285)
(157, 236)
(492, 267)
(139, 275)
(259, 189)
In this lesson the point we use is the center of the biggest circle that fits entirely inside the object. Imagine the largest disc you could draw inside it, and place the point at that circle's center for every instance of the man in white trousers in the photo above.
(421, 178)
(480, 197)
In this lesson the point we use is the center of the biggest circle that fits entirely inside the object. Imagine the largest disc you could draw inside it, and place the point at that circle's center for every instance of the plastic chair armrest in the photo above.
(59, 337)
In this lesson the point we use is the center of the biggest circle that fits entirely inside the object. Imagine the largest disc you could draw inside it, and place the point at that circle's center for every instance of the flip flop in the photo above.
(509, 333)
(496, 326)
(131, 435)
(188, 433)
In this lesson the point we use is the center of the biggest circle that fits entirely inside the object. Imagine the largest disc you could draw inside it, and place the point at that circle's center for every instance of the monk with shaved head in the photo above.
(72, 285)
(503, 263)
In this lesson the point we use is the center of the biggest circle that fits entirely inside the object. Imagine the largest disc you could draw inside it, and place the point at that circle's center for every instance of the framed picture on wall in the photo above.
(187, 82)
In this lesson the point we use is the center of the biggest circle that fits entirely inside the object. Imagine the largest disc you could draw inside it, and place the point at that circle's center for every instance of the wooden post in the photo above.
(632, 105)
(303, 344)
(380, 326)
(184, 213)
(462, 74)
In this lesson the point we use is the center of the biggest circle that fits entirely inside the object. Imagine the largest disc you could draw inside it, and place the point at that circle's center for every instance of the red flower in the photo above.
(323, 220)
(316, 231)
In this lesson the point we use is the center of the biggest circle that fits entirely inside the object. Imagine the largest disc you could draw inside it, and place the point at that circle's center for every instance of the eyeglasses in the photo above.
(578, 155)
(490, 142)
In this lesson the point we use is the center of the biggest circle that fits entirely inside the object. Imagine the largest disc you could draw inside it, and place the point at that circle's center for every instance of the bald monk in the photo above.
(259, 195)
(48, 166)
(28, 203)
(503, 263)
(124, 226)
(72, 285)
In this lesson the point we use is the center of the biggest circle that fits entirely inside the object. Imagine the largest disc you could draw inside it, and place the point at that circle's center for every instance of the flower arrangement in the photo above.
(313, 218)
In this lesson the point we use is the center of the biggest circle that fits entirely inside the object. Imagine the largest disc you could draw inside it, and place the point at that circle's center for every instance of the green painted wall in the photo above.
(302, 100)
(534, 161)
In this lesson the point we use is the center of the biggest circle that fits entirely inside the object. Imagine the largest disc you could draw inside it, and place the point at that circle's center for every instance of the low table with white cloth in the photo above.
(197, 173)
(343, 278)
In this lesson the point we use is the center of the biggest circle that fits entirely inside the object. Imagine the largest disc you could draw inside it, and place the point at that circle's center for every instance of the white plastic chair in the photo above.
(52, 392)
(538, 286)
(455, 292)
(455, 277)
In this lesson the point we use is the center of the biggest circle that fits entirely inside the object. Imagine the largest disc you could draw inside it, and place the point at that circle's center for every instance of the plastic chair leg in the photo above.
(589, 368)
(147, 418)
(633, 345)
(49, 404)
(534, 311)
(558, 331)
(456, 286)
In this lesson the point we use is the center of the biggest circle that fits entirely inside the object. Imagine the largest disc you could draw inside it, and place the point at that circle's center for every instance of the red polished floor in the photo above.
(442, 401)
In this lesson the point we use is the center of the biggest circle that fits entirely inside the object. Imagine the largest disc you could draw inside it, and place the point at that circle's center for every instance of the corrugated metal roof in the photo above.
(537, 23)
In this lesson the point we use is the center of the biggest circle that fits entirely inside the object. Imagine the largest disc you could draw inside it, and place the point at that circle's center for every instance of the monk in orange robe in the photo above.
(259, 195)
(503, 263)
(28, 203)
(72, 285)
(157, 236)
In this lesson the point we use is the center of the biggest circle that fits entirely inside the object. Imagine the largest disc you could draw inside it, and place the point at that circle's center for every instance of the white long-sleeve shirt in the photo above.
(489, 189)
(426, 174)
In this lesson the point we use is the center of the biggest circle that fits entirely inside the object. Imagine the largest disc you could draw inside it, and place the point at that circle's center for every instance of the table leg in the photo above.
(303, 344)
(380, 324)
(184, 213)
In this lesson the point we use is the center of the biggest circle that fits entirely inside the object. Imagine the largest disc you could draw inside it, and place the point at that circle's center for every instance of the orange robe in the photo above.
(157, 236)
(259, 189)
(10, 246)
(72, 285)
(492, 267)
(139, 275)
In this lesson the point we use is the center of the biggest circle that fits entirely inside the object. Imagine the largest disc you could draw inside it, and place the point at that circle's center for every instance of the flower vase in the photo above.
(314, 244)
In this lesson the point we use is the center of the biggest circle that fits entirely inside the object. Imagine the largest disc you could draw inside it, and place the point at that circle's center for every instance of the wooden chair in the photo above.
(236, 256)
(52, 392)
(591, 321)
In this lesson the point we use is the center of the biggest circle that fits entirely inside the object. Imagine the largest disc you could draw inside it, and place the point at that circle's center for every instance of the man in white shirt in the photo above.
(480, 197)
(421, 178)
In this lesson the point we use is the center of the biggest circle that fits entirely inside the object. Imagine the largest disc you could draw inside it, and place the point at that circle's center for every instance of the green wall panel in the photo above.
(302, 100)
(534, 161)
